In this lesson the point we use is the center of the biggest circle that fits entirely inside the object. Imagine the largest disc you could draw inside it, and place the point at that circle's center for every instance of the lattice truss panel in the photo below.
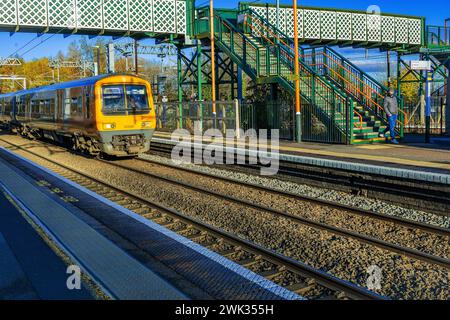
(415, 31)
(62, 13)
(181, 17)
(164, 16)
(311, 24)
(359, 24)
(32, 12)
(290, 22)
(256, 29)
(281, 18)
(115, 14)
(328, 25)
(90, 14)
(138, 10)
(374, 27)
(388, 29)
(271, 15)
(344, 25)
(401, 30)
(8, 13)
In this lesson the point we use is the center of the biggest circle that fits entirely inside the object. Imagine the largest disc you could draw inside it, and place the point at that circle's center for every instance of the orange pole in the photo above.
(213, 58)
(298, 117)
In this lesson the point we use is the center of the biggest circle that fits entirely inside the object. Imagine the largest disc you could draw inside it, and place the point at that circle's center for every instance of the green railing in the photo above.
(438, 37)
(196, 115)
(365, 90)
(321, 100)
(238, 46)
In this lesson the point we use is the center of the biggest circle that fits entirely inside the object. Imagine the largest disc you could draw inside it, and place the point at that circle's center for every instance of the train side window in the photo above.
(41, 108)
(8, 107)
(88, 106)
(20, 107)
(51, 109)
(88, 101)
(80, 105)
(35, 108)
(76, 106)
(67, 107)
(44, 111)
(73, 106)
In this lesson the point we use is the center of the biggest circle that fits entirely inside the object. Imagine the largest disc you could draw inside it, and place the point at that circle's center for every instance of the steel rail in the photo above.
(337, 177)
(318, 225)
(376, 215)
(327, 280)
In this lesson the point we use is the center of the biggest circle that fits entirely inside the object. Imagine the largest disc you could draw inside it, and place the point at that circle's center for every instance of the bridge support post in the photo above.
(240, 95)
(428, 81)
(447, 104)
(180, 89)
(199, 82)
(298, 115)
(298, 126)
(233, 81)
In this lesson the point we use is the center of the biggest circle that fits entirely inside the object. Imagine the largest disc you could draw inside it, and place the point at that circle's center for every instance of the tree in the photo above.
(409, 90)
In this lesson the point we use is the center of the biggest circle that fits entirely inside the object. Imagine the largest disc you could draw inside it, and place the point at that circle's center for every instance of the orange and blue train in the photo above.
(106, 114)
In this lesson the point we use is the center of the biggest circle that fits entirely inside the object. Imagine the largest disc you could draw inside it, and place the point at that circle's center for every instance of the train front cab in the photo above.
(125, 115)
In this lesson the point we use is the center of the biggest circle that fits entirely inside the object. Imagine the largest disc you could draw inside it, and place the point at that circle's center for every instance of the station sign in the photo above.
(420, 65)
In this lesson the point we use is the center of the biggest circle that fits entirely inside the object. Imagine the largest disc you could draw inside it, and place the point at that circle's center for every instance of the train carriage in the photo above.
(110, 114)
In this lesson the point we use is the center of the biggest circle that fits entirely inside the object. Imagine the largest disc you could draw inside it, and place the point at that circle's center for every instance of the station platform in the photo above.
(411, 160)
(126, 255)
(30, 269)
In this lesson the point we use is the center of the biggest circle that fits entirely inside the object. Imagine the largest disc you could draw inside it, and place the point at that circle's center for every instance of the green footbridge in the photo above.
(345, 100)
(340, 102)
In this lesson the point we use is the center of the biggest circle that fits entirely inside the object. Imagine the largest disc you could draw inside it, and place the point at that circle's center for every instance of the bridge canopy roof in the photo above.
(137, 18)
(345, 27)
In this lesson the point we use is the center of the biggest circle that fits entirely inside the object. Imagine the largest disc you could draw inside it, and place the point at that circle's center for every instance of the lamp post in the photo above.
(97, 70)
(446, 31)
(298, 115)
(213, 61)
(136, 60)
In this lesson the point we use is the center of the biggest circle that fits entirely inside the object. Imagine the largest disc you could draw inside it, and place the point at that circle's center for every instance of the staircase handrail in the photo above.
(284, 47)
(286, 41)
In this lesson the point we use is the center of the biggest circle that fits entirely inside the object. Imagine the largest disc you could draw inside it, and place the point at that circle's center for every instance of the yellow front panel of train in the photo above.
(124, 103)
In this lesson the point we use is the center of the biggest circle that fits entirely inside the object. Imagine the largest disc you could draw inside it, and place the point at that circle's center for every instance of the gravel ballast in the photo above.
(387, 231)
(316, 192)
(402, 277)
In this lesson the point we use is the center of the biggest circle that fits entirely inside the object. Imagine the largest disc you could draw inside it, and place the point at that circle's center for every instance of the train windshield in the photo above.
(125, 100)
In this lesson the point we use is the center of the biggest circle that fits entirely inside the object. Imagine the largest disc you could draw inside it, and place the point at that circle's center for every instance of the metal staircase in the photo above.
(369, 117)
(269, 62)
(366, 91)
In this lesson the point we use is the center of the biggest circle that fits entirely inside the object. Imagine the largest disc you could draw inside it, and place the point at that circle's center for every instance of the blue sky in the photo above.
(435, 12)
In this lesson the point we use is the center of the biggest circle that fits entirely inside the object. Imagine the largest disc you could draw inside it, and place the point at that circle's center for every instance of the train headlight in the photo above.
(109, 126)
(146, 124)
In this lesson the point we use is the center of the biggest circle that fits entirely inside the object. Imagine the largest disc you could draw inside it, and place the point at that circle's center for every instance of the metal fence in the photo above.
(269, 115)
(197, 115)
(416, 117)
(316, 125)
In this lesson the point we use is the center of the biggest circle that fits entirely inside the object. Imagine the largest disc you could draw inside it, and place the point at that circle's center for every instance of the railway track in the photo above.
(412, 194)
(380, 216)
(311, 223)
(292, 274)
